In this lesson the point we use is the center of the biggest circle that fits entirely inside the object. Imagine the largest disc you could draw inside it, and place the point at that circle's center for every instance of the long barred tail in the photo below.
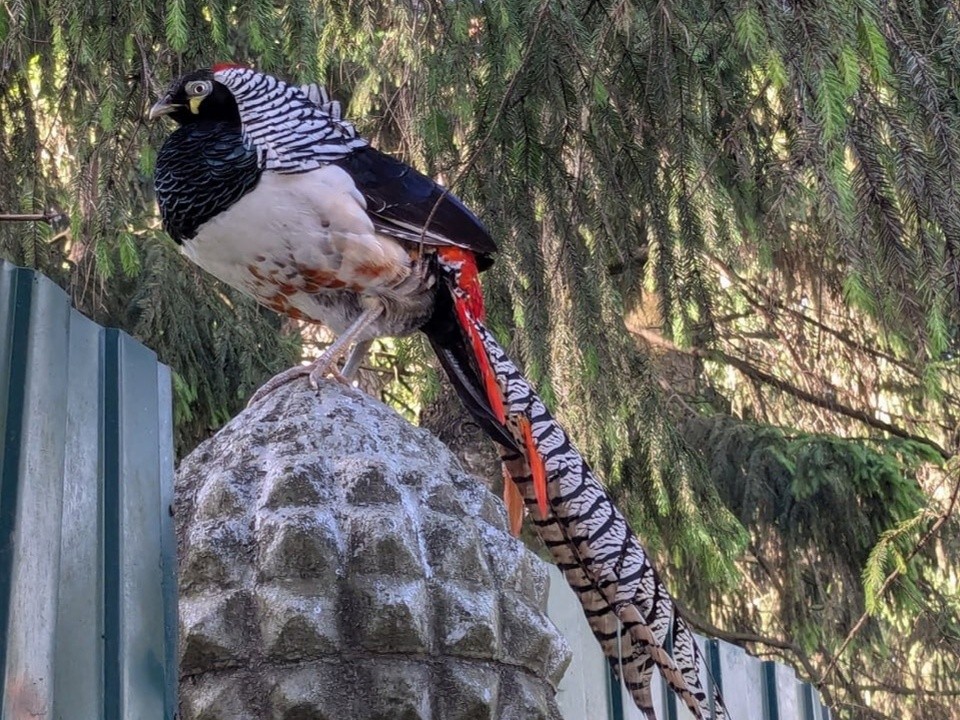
(603, 559)
(625, 602)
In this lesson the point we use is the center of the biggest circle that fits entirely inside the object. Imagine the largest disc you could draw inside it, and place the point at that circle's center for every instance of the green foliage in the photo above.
(873, 48)
(177, 32)
(825, 511)
(750, 33)
(887, 554)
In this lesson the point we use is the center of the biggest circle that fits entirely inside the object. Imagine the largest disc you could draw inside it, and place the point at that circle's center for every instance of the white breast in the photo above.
(298, 236)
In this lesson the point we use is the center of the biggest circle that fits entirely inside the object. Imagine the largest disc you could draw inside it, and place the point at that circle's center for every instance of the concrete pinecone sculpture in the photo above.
(336, 562)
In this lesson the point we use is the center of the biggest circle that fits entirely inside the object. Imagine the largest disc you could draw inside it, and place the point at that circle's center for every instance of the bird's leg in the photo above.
(324, 364)
(356, 356)
(338, 348)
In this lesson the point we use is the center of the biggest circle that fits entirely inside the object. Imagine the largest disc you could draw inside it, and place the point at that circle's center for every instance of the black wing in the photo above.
(402, 201)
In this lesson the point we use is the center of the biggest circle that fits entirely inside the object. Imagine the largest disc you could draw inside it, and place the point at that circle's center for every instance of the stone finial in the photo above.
(336, 562)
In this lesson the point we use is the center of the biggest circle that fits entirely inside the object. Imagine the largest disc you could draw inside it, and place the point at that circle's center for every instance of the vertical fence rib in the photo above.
(112, 607)
(17, 300)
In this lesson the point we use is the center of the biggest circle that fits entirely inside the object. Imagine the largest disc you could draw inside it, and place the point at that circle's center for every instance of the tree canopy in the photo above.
(730, 261)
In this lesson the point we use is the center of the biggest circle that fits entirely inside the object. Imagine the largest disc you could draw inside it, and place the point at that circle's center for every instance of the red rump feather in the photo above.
(469, 308)
(469, 279)
(468, 305)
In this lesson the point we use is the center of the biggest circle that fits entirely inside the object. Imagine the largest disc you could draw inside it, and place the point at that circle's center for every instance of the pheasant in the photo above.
(265, 186)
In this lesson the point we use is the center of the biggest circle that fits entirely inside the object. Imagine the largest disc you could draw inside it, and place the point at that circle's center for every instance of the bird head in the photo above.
(197, 97)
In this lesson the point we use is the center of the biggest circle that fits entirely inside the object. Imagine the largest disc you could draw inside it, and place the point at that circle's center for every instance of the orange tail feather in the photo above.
(513, 499)
(536, 465)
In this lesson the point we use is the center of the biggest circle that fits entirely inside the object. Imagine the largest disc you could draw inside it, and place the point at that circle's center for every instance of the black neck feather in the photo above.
(202, 169)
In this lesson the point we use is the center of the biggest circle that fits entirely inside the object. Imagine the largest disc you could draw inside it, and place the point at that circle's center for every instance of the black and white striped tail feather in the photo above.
(614, 640)
(629, 648)
(612, 564)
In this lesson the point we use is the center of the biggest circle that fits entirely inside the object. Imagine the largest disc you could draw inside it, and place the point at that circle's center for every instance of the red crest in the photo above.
(226, 66)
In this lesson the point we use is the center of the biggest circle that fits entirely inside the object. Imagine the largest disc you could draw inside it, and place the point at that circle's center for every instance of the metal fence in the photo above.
(87, 549)
(752, 689)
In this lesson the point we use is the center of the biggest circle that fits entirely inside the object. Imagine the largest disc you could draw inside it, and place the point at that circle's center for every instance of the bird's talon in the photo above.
(276, 382)
(340, 377)
(315, 378)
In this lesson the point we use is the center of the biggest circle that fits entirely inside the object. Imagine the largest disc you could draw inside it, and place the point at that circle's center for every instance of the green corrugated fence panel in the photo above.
(813, 709)
(743, 675)
(31, 499)
(87, 549)
(785, 689)
(80, 620)
(168, 546)
(137, 619)
(752, 689)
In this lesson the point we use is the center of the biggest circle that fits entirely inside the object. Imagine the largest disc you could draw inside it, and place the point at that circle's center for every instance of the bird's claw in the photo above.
(316, 372)
(278, 381)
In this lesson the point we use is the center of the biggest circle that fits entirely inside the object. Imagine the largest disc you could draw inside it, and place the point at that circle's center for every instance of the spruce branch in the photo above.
(940, 521)
(755, 373)
(505, 101)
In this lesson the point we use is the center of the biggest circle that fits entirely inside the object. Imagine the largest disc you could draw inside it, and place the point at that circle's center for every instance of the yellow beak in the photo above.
(162, 107)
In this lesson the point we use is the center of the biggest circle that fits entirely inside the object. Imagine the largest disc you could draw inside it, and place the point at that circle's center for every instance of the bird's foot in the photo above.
(326, 364)
(318, 373)
(278, 381)
(315, 373)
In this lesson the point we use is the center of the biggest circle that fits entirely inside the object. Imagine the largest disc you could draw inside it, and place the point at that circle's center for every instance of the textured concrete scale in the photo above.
(337, 563)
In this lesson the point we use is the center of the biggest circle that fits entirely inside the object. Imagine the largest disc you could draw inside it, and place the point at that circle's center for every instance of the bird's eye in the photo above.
(198, 87)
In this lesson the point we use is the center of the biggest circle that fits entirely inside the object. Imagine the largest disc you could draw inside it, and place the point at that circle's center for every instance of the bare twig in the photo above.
(47, 217)
(739, 638)
(765, 297)
(755, 373)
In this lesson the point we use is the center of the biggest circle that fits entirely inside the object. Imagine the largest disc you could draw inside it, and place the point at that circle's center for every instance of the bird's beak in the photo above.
(163, 106)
